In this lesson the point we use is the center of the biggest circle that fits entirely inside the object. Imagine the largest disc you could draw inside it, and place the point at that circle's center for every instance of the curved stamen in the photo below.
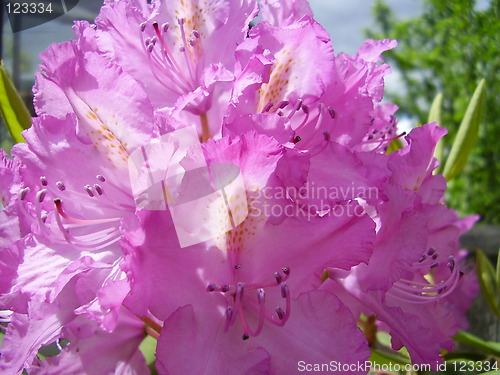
(261, 297)
(157, 65)
(58, 204)
(189, 61)
(240, 301)
(96, 243)
(420, 292)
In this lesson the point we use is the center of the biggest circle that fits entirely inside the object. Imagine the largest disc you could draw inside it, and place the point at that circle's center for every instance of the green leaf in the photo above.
(435, 115)
(496, 372)
(435, 111)
(487, 279)
(475, 342)
(467, 135)
(12, 108)
(148, 349)
(385, 357)
(395, 145)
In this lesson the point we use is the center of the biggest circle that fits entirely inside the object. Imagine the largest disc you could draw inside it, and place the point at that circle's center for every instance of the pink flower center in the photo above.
(425, 292)
(59, 227)
(243, 299)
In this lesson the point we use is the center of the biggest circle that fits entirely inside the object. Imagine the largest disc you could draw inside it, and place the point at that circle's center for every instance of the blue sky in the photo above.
(346, 20)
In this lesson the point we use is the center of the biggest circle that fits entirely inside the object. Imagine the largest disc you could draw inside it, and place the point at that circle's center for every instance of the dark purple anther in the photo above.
(23, 193)
(278, 277)
(98, 188)
(196, 34)
(43, 180)
(143, 26)
(60, 186)
(41, 195)
(245, 336)
(331, 111)
(240, 287)
(237, 267)
(284, 290)
(451, 262)
(434, 265)
(182, 50)
(422, 258)
(211, 287)
(165, 27)
(283, 104)
(267, 107)
(280, 313)
(261, 296)
(296, 140)
(100, 178)
(229, 313)
(298, 104)
(431, 251)
(286, 270)
(88, 189)
(305, 108)
(435, 256)
(180, 21)
(326, 135)
(225, 288)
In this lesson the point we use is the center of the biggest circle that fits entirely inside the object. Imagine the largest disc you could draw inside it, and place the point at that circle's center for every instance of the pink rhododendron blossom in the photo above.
(181, 52)
(417, 237)
(254, 250)
(232, 287)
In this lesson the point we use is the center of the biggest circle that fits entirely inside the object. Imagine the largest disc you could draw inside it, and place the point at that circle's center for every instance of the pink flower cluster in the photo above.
(84, 267)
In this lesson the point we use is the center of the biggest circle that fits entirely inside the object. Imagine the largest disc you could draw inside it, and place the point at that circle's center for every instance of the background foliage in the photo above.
(449, 49)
